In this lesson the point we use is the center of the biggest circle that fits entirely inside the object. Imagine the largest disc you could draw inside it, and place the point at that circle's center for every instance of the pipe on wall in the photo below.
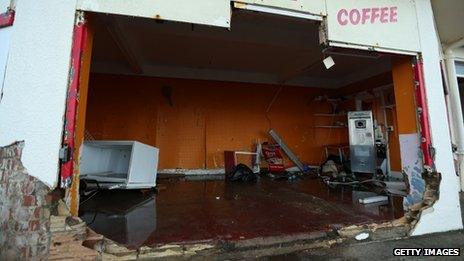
(457, 120)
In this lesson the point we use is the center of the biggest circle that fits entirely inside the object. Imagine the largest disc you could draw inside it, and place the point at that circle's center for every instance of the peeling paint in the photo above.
(411, 160)
(430, 195)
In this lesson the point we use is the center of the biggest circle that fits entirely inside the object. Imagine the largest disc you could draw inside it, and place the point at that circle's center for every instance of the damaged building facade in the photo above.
(112, 94)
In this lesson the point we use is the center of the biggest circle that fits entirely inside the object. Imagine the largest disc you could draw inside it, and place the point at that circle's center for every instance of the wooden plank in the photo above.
(81, 116)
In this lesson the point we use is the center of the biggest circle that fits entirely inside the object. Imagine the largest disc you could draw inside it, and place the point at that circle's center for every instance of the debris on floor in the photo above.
(231, 159)
(273, 157)
(362, 236)
(376, 231)
(173, 250)
(373, 199)
(432, 180)
(335, 173)
(193, 211)
(303, 168)
(241, 173)
(73, 240)
(68, 235)
(71, 237)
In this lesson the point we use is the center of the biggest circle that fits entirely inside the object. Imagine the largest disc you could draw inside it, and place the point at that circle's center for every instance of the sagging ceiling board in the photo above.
(207, 12)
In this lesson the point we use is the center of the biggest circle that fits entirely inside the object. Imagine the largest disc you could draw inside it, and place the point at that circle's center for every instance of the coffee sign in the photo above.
(386, 24)
(372, 15)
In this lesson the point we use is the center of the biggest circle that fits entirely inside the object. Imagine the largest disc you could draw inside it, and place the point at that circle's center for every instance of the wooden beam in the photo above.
(80, 116)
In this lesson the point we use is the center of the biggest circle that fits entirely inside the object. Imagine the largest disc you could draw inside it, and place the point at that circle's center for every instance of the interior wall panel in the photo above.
(403, 80)
(406, 112)
(192, 122)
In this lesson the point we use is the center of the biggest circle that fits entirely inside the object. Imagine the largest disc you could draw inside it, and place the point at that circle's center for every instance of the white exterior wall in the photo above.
(315, 7)
(445, 214)
(34, 91)
(5, 39)
(4, 5)
(208, 12)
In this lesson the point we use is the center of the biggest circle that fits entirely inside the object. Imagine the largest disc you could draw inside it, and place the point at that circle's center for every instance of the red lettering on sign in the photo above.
(365, 15)
(393, 14)
(384, 15)
(342, 17)
(355, 16)
(375, 14)
(371, 15)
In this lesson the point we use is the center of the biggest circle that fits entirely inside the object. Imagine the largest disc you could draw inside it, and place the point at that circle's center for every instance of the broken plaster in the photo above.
(431, 194)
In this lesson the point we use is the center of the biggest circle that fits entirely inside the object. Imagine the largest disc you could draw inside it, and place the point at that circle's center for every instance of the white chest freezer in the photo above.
(119, 164)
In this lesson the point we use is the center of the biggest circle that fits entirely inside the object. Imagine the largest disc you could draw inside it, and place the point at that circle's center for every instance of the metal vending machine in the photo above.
(362, 139)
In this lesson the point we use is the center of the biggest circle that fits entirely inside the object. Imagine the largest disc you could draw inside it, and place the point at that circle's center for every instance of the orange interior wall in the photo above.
(403, 82)
(207, 117)
(404, 114)
(394, 143)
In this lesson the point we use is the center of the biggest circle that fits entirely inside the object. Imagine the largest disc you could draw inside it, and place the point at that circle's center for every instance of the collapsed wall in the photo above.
(24, 208)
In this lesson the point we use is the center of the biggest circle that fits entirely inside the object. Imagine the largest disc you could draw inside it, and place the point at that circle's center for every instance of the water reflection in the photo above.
(213, 209)
(127, 217)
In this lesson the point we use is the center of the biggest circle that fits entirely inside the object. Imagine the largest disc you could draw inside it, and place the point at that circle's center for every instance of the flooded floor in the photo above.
(215, 210)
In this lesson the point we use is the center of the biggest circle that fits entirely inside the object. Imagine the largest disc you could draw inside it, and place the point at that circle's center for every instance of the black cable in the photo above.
(95, 192)
(93, 219)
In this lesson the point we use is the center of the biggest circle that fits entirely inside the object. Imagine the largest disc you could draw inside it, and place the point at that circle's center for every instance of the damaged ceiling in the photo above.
(259, 48)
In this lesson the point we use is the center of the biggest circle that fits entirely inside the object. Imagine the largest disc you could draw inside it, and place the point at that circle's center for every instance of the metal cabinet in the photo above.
(361, 137)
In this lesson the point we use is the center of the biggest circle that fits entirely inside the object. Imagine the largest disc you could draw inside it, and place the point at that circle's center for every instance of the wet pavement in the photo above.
(381, 250)
(186, 211)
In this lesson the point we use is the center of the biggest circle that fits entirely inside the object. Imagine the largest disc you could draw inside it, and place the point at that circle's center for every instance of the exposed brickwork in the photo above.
(24, 208)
